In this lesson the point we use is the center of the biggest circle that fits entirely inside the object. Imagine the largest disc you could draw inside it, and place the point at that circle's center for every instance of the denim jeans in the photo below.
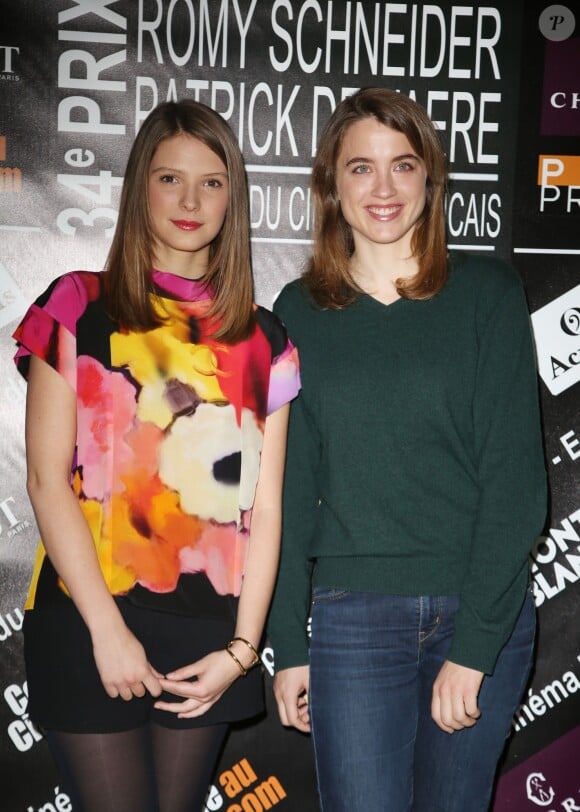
(373, 661)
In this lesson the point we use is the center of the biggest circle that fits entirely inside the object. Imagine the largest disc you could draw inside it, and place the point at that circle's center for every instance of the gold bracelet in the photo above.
(243, 671)
(256, 659)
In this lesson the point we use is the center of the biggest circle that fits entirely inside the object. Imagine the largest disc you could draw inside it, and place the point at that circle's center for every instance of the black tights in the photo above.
(150, 769)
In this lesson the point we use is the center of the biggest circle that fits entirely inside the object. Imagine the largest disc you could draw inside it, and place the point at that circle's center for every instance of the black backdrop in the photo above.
(502, 81)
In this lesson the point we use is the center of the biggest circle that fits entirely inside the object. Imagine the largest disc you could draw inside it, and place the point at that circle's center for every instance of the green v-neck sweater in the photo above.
(415, 462)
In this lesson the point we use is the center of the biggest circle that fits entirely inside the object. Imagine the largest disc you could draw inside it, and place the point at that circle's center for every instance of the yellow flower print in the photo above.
(164, 354)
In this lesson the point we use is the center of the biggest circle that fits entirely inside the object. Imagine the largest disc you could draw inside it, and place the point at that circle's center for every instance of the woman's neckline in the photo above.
(368, 297)
(180, 287)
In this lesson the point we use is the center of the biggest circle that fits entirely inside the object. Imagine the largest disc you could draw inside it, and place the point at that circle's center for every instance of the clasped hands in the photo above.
(200, 684)
(126, 673)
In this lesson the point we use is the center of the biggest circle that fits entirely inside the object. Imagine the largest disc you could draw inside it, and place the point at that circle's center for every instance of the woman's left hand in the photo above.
(454, 702)
(200, 684)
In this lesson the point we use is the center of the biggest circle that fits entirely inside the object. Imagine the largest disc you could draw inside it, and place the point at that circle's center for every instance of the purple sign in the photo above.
(561, 91)
(549, 780)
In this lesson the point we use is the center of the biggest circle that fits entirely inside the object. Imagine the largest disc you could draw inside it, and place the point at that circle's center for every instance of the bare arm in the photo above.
(50, 442)
(217, 671)
(264, 550)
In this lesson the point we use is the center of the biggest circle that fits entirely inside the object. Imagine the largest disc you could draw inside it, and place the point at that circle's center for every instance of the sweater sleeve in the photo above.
(511, 480)
(289, 613)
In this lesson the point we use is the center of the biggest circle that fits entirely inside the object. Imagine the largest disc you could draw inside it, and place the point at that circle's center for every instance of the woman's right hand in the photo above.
(122, 664)
(291, 692)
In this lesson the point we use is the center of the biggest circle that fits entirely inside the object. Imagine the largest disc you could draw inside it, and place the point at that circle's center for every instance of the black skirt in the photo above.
(65, 690)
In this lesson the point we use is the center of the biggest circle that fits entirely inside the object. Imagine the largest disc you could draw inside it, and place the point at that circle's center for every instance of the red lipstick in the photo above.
(186, 225)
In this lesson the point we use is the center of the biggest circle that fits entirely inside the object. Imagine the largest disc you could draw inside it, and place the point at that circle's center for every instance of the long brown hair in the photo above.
(229, 274)
(327, 275)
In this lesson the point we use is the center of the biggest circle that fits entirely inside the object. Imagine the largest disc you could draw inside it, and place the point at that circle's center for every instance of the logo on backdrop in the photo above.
(559, 181)
(548, 780)
(560, 92)
(8, 59)
(10, 523)
(240, 782)
(560, 96)
(554, 557)
(557, 335)
(557, 23)
(542, 701)
(538, 791)
(21, 731)
(570, 321)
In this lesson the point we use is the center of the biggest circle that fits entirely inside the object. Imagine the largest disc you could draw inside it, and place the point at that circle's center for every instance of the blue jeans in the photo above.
(373, 661)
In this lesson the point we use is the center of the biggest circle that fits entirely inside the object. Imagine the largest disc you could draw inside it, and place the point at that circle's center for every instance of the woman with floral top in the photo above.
(155, 433)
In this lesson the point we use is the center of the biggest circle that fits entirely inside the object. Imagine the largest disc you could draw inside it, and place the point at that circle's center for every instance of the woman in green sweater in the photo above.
(415, 482)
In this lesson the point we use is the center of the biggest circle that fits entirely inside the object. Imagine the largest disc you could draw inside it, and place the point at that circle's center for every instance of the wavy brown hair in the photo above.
(129, 262)
(327, 275)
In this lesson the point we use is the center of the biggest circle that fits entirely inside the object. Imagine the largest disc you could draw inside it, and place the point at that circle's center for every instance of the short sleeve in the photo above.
(284, 378)
(48, 329)
(285, 369)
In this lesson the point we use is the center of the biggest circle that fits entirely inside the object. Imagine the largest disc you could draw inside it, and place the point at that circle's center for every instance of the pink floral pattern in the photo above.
(169, 430)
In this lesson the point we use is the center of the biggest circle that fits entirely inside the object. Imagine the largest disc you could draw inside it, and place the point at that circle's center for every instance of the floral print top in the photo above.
(169, 432)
